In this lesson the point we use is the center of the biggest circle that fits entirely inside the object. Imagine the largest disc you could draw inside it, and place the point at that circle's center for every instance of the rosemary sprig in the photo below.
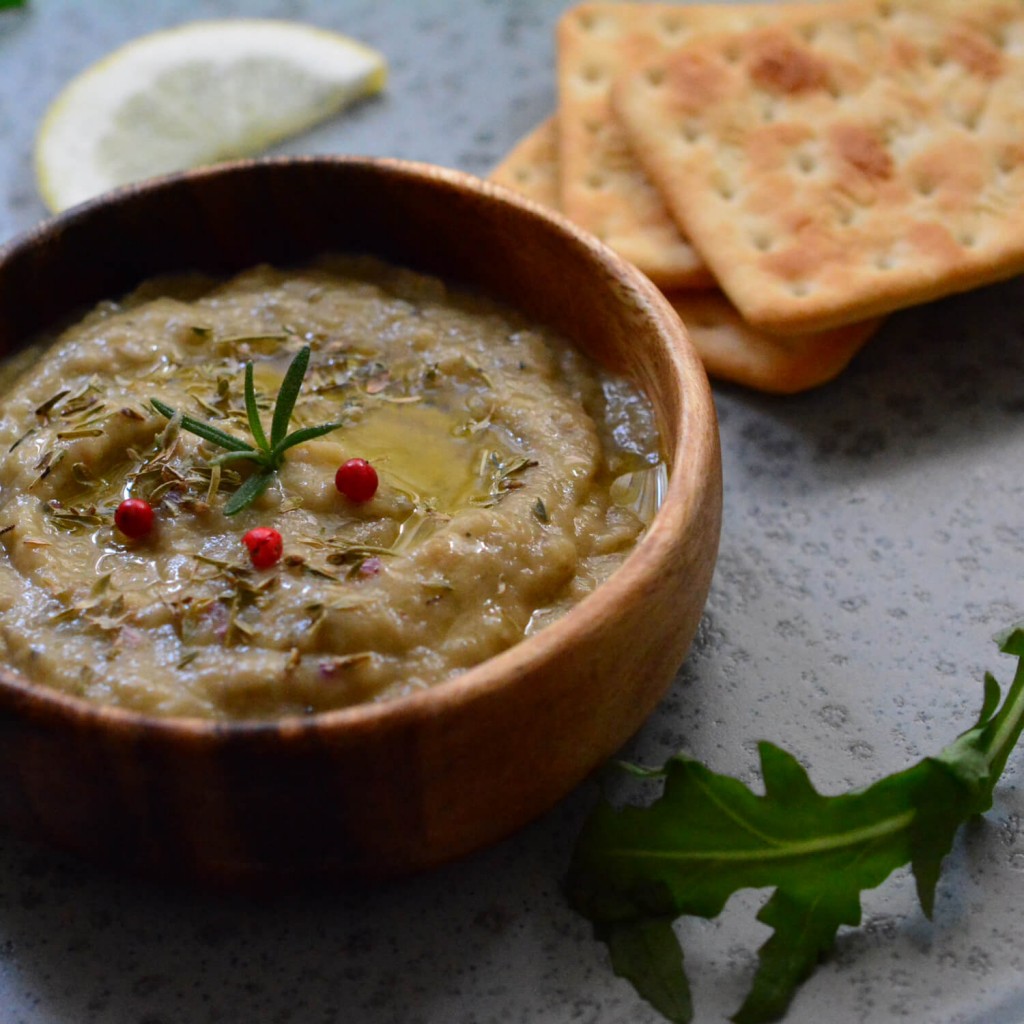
(268, 454)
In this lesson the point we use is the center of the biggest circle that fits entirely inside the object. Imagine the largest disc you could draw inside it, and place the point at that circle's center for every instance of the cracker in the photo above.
(730, 349)
(603, 187)
(847, 163)
(531, 166)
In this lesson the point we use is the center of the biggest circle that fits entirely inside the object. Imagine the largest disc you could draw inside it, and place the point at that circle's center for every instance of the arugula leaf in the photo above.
(646, 953)
(11, 4)
(636, 869)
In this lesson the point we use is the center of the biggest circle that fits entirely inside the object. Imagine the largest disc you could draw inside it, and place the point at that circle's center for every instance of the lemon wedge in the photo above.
(193, 95)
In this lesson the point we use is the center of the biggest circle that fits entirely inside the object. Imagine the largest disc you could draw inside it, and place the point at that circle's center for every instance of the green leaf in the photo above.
(974, 761)
(268, 455)
(943, 803)
(646, 952)
(11, 4)
(1011, 641)
(302, 435)
(252, 411)
(1001, 732)
(252, 453)
(287, 394)
(249, 491)
(204, 430)
(804, 931)
(709, 836)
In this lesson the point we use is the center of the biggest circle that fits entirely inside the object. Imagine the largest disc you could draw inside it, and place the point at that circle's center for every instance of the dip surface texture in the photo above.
(514, 477)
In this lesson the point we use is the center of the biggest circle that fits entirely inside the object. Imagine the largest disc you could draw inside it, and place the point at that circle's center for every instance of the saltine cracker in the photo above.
(604, 189)
(844, 164)
(730, 348)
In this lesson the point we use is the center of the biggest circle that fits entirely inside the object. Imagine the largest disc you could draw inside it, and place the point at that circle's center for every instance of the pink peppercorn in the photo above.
(134, 518)
(357, 480)
(265, 546)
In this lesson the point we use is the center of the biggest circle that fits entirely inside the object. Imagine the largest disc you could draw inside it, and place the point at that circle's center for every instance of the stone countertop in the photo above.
(872, 545)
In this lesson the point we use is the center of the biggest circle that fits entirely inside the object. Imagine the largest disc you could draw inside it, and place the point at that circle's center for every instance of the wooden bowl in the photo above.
(387, 788)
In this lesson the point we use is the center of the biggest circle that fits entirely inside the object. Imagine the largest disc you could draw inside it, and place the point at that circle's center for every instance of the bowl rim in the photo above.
(685, 482)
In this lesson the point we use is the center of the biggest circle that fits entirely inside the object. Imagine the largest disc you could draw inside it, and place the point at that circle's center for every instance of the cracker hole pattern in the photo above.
(806, 163)
(592, 74)
(690, 131)
(970, 120)
(762, 241)
(799, 289)
(655, 76)
(672, 28)
(846, 215)
(1006, 162)
(724, 188)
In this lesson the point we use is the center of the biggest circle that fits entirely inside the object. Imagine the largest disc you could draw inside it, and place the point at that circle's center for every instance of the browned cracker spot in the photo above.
(848, 163)
(730, 349)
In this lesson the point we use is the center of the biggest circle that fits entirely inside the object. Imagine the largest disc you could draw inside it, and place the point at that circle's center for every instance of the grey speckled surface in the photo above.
(872, 544)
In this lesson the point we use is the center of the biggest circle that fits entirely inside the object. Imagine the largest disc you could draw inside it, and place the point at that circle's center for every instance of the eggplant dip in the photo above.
(298, 490)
